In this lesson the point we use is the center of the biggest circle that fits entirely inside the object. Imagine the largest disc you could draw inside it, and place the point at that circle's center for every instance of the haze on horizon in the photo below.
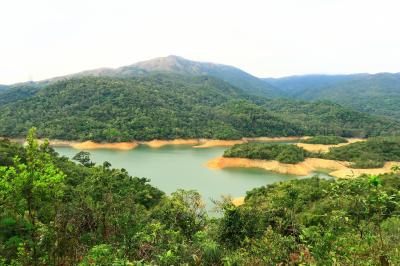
(43, 39)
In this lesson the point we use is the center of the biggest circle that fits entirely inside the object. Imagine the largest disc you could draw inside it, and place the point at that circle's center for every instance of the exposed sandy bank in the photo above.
(277, 139)
(90, 145)
(350, 172)
(238, 201)
(325, 148)
(218, 143)
(301, 169)
(339, 169)
(160, 143)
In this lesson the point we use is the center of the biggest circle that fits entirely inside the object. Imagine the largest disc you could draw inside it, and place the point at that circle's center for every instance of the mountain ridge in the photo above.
(179, 65)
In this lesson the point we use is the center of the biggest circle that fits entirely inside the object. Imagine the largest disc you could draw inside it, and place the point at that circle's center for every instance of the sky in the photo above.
(46, 38)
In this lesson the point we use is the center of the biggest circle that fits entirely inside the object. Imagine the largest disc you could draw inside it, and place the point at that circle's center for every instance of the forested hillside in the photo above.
(168, 106)
(374, 94)
(57, 212)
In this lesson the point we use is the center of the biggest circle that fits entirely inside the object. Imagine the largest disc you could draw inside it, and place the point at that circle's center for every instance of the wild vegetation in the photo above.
(168, 106)
(263, 151)
(57, 212)
(325, 140)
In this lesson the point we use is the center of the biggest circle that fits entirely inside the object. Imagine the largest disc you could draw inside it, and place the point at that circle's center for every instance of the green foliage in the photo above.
(104, 255)
(34, 188)
(325, 140)
(183, 211)
(263, 151)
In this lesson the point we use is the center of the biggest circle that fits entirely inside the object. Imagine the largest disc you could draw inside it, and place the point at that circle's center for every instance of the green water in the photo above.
(173, 167)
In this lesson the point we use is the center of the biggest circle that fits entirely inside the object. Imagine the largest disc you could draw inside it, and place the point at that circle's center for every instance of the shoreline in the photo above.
(338, 169)
(158, 143)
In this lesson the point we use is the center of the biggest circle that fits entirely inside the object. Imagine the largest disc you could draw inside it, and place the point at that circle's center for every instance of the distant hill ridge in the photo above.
(372, 93)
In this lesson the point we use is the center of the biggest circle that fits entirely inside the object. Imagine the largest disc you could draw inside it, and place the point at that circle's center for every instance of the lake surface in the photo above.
(172, 167)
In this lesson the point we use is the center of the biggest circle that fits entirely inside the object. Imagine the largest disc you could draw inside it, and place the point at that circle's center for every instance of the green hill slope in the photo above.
(173, 106)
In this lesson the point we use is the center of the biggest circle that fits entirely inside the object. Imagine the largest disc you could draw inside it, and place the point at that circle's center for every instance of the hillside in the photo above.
(375, 94)
(179, 65)
(166, 106)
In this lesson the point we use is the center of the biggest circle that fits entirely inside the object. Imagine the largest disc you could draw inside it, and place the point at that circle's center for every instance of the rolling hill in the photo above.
(377, 94)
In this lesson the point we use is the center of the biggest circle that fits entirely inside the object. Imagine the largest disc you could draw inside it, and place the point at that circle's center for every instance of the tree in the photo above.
(35, 188)
(83, 157)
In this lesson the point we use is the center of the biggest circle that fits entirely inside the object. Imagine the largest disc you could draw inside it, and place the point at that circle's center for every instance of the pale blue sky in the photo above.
(46, 38)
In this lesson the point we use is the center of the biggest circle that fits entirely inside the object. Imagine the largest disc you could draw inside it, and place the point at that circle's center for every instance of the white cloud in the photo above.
(44, 38)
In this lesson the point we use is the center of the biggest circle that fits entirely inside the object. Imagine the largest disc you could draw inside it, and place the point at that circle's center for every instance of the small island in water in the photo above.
(344, 159)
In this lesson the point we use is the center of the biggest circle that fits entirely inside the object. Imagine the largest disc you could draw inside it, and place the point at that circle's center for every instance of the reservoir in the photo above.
(182, 167)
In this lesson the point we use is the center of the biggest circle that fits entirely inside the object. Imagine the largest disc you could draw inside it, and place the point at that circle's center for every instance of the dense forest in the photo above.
(372, 153)
(58, 212)
(168, 106)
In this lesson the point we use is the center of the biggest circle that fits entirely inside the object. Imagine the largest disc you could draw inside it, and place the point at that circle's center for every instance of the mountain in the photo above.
(168, 106)
(371, 93)
(179, 65)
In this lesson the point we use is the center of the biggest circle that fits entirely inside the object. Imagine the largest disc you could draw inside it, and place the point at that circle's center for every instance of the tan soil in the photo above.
(275, 139)
(218, 143)
(325, 148)
(160, 143)
(89, 145)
